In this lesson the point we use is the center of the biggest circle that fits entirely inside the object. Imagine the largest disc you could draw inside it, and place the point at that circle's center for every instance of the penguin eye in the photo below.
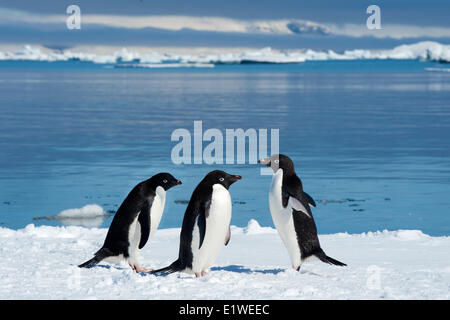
(165, 181)
(277, 161)
(221, 179)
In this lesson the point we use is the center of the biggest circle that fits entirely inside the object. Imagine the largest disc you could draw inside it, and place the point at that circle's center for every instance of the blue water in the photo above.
(370, 139)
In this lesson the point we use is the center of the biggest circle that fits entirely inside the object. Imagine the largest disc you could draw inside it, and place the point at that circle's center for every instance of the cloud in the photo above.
(226, 25)
(172, 23)
(11, 16)
(211, 24)
(392, 31)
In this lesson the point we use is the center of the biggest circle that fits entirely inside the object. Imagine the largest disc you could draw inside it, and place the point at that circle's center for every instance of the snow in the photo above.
(41, 263)
(253, 227)
(438, 69)
(166, 65)
(88, 211)
(425, 50)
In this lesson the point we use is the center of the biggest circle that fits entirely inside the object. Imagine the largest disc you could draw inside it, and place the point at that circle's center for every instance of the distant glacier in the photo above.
(426, 50)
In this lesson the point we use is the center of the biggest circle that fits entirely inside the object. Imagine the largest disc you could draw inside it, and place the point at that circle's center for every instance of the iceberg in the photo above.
(91, 215)
(426, 50)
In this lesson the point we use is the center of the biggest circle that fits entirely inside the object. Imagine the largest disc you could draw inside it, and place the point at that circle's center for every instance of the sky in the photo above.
(286, 24)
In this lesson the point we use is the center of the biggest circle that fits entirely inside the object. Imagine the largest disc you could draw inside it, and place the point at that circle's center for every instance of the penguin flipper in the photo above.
(309, 199)
(296, 199)
(298, 206)
(228, 237)
(202, 214)
(144, 221)
(201, 222)
(99, 256)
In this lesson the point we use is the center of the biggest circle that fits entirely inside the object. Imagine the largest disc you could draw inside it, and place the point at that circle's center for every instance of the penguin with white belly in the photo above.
(206, 225)
(291, 213)
(135, 222)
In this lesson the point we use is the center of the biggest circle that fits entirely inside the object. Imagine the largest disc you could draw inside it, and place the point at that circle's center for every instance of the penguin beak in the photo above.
(265, 161)
(179, 182)
(236, 178)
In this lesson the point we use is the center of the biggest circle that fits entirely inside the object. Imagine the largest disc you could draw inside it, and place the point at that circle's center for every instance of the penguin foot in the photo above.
(297, 268)
(140, 269)
(200, 274)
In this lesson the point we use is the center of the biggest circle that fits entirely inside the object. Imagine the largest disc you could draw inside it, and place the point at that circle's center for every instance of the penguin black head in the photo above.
(221, 177)
(164, 180)
(278, 161)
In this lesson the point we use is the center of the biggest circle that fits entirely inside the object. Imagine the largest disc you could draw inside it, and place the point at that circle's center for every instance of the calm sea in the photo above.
(370, 139)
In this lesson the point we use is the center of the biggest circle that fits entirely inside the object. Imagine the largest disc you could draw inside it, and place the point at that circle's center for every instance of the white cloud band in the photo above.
(229, 25)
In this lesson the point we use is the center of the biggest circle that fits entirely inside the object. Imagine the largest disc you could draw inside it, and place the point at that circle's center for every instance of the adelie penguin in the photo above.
(206, 225)
(135, 222)
(291, 213)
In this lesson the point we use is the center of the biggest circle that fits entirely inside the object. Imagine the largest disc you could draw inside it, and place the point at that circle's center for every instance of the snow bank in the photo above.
(40, 263)
(426, 50)
(253, 227)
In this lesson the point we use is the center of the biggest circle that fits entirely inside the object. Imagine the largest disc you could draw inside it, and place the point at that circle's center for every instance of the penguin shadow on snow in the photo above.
(111, 267)
(230, 268)
(237, 269)
(104, 266)
(242, 269)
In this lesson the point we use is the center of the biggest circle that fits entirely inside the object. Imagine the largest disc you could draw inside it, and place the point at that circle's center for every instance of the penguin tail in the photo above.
(99, 256)
(90, 263)
(174, 267)
(324, 258)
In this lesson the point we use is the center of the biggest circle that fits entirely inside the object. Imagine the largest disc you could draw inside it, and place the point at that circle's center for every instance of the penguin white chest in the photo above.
(134, 237)
(157, 210)
(282, 218)
(217, 225)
